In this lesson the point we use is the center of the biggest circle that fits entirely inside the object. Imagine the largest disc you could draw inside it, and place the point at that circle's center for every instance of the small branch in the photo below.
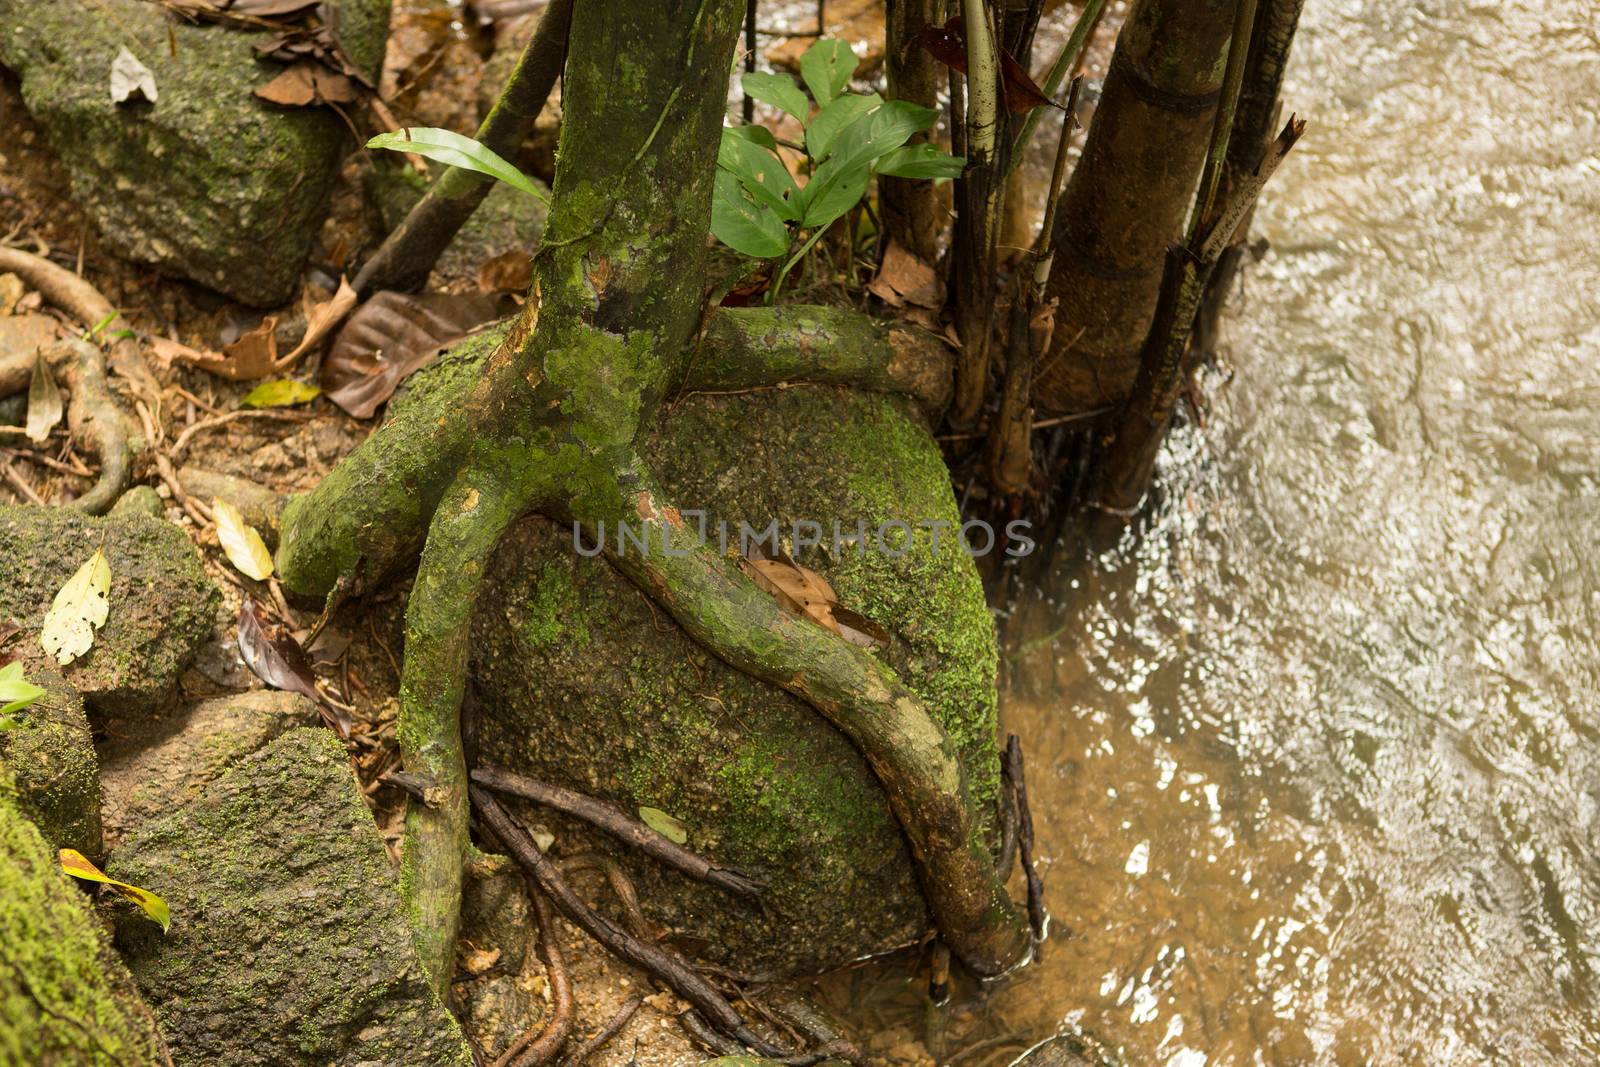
(623, 827)
(532, 1050)
(408, 254)
(682, 978)
(1065, 62)
(94, 416)
(1016, 780)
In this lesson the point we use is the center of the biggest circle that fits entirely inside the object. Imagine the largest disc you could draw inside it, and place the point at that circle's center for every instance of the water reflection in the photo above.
(1319, 780)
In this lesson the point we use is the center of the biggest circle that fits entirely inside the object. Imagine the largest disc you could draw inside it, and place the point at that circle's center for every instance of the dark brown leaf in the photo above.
(509, 272)
(8, 629)
(277, 659)
(859, 630)
(948, 45)
(308, 83)
(389, 338)
(250, 357)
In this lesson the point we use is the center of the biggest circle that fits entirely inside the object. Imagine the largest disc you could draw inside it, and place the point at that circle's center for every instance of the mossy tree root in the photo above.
(913, 758)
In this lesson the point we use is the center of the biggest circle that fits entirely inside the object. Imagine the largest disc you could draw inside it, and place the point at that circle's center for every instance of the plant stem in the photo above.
(1082, 30)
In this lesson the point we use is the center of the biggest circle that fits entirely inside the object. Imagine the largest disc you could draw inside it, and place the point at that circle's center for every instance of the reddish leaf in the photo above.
(389, 338)
(277, 659)
(948, 45)
(308, 83)
(509, 272)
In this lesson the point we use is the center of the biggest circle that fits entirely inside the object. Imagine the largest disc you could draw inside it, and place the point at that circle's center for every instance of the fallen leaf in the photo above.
(169, 352)
(74, 864)
(903, 278)
(476, 960)
(79, 609)
(509, 272)
(281, 393)
(44, 402)
(269, 8)
(131, 78)
(859, 630)
(322, 318)
(252, 356)
(798, 590)
(389, 338)
(308, 83)
(240, 542)
(668, 826)
(16, 692)
(11, 291)
(277, 659)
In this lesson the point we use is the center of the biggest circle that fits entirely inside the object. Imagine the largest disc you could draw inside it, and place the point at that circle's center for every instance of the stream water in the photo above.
(1320, 780)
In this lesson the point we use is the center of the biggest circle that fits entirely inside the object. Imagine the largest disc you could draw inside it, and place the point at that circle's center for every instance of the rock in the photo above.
(593, 687)
(162, 603)
(207, 183)
(52, 761)
(289, 944)
(1066, 1050)
(140, 500)
(497, 958)
(155, 767)
(65, 997)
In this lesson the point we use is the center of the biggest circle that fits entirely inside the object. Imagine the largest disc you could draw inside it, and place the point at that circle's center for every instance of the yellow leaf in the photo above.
(281, 393)
(74, 864)
(668, 826)
(80, 608)
(240, 541)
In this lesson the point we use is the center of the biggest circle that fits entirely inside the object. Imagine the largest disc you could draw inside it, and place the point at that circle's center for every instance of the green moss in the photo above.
(208, 182)
(65, 998)
(52, 759)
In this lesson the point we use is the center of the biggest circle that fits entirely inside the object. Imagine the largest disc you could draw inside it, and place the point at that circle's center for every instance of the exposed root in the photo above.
(611, 1029)
(534, 1049)
(911, 755)
(621, 826)
(1017, 785)
(94, 416)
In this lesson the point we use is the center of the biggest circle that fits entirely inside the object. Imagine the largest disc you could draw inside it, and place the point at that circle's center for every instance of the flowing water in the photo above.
(1320, 780)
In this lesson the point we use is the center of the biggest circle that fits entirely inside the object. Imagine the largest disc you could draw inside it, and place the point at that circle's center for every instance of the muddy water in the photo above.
(1320, 780)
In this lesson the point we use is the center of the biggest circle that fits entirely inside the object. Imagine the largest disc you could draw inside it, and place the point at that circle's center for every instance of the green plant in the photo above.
(16, 693)
(758, 209)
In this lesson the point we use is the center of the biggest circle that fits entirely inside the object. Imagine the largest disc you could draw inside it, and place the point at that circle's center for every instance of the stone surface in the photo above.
(65, 996)
(162, 602)
(593, 687)
(156, 766)
(207, 183)
(52, 760)
(288, 943)
(1069, 1050)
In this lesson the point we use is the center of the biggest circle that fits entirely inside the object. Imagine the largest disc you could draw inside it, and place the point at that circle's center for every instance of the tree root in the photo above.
(95, 417)
(534, 1049)
(611, 1029)
(620, 825)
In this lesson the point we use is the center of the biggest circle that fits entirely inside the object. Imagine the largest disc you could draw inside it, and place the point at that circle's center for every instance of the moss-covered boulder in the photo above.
(51, 757)
(288, 942)
(587, 684)
(155, 766)
(65, 996)
(162, 603)
(208, 182)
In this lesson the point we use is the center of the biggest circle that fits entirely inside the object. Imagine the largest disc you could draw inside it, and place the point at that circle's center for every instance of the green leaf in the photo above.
(280, 394)
(74, 864)
(920, 161)
(451, 148)
(831, 120)
(79, 609)
(761, 173)
(876, 133)
(744, 225)
(16, 692)
(780, 91)
(827, 67)
(667, 826)
(754, 132)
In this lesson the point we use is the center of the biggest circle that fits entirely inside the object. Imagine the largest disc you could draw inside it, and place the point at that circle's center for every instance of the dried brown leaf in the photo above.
(252, 356)
(321, 319)
(307, 83)
(798, 590)
(903, 278)
(44, 402)
(389, 338)
(509, 272)
(947, 44)
(277, 659)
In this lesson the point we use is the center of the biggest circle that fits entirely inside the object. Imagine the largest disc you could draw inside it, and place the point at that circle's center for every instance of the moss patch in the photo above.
(52, 759)
(65, 997)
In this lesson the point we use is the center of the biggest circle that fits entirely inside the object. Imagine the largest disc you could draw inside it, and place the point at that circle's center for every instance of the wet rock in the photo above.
(1068, 1050)
(65, 996)
(162, 602)
(155, 767)
(593, 687)
(289, 944)
(208, 182)
(51, 758)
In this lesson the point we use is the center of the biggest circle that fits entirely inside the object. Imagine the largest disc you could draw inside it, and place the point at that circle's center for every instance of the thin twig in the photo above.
(611, 1029)
(21, 485)
(620, 825)
(222, 420)
(1012, 765)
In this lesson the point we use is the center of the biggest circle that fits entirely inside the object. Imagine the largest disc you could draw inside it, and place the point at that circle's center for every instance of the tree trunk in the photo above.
(1128, 195)
(915, 212)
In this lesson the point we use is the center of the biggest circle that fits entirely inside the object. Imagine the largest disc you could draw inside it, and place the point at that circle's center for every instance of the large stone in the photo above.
(51, 757)
(207, 183)
(162, 603)
(156, 766)
(65, 996)
(289, 944)
(587, 684)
